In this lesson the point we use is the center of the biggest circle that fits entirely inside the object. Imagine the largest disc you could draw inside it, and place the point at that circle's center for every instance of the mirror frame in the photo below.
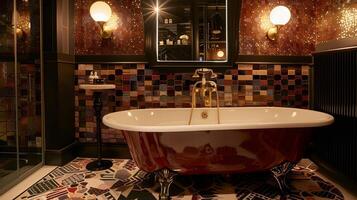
(150, 31)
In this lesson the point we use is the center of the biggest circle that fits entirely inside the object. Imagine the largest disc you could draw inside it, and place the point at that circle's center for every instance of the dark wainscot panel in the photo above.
(335, 93)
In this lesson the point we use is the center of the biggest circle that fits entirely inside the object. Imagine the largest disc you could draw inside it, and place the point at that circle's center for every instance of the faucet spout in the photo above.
(205, 88)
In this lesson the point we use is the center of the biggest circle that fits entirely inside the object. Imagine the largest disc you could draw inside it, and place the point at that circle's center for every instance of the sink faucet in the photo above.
(205, 88)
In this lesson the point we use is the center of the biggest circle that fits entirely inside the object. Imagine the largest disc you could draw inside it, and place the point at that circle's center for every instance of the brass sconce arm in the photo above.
(105, 33)
(273, 32)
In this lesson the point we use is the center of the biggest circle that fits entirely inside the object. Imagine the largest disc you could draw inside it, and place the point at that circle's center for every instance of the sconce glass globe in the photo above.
(100, 11)
(280, 15)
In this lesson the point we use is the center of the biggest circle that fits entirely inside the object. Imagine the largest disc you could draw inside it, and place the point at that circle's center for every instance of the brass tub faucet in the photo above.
(205, 88)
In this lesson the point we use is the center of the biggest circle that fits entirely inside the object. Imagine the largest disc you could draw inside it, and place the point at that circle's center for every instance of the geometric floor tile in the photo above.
(126, 181)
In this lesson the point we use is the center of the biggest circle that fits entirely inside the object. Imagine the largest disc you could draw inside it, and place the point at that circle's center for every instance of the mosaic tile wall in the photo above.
(138, 87)
(127, 25)
(310, 23)
(295, 38)
(313, 21)
(335, 20)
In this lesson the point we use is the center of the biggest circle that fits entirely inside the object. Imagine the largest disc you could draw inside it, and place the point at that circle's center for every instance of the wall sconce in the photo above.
(101, 12)
(279, 16)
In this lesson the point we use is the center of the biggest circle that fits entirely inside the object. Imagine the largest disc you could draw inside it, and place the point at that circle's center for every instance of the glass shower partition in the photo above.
(21, 107)
(8, 139)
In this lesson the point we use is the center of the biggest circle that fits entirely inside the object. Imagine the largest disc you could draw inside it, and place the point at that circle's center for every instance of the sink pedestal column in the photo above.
(98, 164)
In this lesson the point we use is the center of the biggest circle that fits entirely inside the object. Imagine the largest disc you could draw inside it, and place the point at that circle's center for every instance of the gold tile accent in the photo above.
(305, 70)
(141, 66)
(277, 67)
(245, 77)
(260, 72)
(245, 67)
(85, 67)
(133, 93)
(249, 87)
(249, 98)
(228, 77)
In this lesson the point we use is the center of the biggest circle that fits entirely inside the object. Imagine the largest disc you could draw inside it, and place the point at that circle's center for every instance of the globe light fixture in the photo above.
(279, 16)
(101, 12)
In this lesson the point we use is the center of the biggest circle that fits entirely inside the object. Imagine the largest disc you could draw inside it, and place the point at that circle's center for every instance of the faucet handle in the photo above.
(203, 72)
(196, 75)
(213, 75)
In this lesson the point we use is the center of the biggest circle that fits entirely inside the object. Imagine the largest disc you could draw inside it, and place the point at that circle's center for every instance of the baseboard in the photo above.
(89, 150)
(326, 169)
(62, 156)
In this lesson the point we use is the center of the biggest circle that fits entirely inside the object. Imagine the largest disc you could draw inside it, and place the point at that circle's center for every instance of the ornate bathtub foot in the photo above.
(280, 172)
(165, 178)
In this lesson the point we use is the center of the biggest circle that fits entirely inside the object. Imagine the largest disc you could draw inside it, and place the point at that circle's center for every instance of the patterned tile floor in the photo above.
(125, 181)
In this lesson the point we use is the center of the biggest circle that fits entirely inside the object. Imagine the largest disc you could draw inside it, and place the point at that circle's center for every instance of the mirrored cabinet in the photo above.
(191, 32)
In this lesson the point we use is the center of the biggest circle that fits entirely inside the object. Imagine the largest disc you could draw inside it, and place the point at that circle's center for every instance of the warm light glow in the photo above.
(113, 23)
(220, 54)
(100, 11)
(280, 15)
(157, 9)
(294, 114)
(348, 23)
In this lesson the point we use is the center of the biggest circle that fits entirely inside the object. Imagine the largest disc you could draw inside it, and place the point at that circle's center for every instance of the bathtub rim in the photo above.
(216, 127)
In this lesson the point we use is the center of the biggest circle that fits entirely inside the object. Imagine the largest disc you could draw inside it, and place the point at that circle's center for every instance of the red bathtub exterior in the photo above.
(206, 153)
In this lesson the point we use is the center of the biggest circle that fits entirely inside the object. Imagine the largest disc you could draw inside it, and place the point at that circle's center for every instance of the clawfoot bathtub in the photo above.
(247, 139)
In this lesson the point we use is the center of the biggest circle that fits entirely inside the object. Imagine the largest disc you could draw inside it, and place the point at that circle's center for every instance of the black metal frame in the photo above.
(308, 60)
(233, 7)
(102, 59)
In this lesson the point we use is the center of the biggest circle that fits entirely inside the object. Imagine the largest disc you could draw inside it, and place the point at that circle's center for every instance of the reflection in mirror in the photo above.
(192, 30)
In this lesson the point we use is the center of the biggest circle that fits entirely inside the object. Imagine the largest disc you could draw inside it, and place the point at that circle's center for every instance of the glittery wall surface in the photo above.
(335, 20)
(126, 21)
(297, 38)
(312, 21)
(139, 87)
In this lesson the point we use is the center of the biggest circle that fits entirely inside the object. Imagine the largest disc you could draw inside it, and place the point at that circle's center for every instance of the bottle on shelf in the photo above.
(91, 77)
